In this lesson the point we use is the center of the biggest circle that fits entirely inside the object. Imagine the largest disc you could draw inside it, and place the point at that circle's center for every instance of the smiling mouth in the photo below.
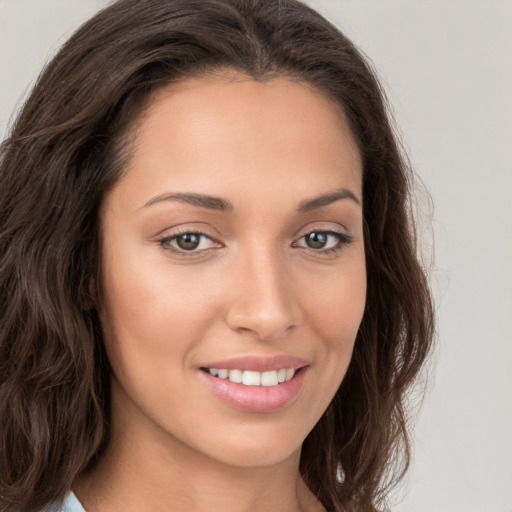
(253, 378)
(256, 385)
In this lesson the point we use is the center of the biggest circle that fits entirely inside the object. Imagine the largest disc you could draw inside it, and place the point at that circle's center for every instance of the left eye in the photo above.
(323, 240)
(187, 242)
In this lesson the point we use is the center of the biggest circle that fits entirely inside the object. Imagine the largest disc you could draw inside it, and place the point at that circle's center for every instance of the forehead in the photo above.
(216, 134)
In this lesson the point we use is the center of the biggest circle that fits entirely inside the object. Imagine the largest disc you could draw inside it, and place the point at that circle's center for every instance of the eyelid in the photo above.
(198, 227)
(323, 227)
(344, 239)
(165, 242)
(332, 232)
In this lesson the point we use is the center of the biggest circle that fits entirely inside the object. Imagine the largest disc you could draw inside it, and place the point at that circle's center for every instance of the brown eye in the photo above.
(316, 239)
(324, 242)
(188, 241)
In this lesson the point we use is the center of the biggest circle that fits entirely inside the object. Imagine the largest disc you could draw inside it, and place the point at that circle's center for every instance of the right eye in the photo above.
(188, 242)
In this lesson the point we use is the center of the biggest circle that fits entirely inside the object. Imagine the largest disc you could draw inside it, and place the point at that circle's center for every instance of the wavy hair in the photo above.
(67, 149)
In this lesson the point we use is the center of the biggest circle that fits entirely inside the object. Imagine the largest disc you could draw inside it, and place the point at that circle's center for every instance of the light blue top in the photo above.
(70, 504)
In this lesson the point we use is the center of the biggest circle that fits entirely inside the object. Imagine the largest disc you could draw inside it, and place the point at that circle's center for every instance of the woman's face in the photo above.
(233, 246)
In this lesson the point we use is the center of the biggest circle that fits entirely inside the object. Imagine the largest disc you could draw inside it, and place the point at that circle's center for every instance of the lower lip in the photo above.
(256, 398)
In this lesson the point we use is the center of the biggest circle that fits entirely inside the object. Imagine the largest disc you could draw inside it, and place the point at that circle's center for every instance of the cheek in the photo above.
(151, 312)
(335, 311)
(154, 322)
(336, 308)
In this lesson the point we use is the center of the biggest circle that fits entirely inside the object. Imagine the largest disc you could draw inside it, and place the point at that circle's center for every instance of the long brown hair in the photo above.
(67, 149)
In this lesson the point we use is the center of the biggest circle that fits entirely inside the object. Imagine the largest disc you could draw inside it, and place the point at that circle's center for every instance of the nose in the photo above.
(262, 299)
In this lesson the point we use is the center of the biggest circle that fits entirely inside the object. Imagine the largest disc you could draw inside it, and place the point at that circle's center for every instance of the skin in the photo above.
(253, 287)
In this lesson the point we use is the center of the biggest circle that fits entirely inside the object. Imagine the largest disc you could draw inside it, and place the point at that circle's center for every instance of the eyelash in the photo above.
(343, 240)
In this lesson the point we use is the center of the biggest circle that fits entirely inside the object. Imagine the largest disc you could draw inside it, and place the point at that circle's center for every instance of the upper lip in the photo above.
(259, 363)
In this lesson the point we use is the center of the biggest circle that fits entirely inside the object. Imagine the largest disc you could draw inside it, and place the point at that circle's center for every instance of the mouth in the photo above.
(256, 385)
(269, 378)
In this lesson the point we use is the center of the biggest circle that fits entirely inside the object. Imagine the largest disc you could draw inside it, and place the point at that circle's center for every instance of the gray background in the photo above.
(447, 67)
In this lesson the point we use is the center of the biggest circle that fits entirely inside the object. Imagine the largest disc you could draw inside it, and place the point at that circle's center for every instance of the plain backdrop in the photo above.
(447, 68)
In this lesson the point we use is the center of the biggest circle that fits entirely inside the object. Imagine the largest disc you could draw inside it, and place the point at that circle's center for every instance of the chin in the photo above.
(257, 455)
(252, 446)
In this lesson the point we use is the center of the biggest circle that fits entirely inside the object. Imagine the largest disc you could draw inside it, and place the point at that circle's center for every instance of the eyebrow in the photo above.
(210, 202)
(326, 199)
(223, 205)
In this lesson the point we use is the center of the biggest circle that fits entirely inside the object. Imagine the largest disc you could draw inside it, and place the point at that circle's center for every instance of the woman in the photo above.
(210, 292)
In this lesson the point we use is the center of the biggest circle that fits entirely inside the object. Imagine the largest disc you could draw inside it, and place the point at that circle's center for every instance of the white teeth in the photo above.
(251, 378)
(290, 373)
(223, 374)
(269, 379)
(235, 376)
